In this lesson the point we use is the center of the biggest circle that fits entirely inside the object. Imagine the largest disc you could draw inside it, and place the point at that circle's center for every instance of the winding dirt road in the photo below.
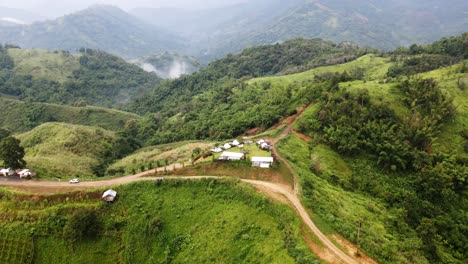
(281, 189)
(290, 194)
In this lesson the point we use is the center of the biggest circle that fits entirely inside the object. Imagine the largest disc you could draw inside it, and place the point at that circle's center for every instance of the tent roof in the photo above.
(232, 154)
(109, 193)
(262, 159)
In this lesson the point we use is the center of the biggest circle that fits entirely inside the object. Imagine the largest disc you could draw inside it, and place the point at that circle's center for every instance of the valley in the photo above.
(370, 149)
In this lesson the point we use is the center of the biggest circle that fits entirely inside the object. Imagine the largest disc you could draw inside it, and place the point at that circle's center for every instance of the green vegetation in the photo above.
(20, 116)
(11, 153)
(92, 77)
(174, 222)
(58, 150)
(385, 233)
(399, 144)
(219, 103)
(158, 156)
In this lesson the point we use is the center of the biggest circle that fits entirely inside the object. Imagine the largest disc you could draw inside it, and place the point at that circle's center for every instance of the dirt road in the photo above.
(290, 195)
(281, 189)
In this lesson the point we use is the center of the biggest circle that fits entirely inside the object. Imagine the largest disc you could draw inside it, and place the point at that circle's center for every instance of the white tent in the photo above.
(262, 162)
(227, 146)
(24, 173)
(261, 141)
(109, 195)
(235, 143)
(7, 172)
(217, 150)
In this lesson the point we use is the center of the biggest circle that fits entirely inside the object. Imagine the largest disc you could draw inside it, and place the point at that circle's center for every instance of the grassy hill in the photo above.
(21, 116)
(59, 150)
(160, 155)
(90, 77)
(178, 222)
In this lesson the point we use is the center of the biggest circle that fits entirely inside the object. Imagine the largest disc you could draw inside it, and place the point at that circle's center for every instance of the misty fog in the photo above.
(57, 8)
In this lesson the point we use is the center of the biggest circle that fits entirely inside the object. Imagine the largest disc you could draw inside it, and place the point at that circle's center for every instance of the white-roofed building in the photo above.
(231, 156)
(262, 162)
(235, 143)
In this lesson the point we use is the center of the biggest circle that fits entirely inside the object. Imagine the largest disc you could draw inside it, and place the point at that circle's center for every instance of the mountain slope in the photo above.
(379, 24)
(194, 105)
(100, 27)
(59, 150)
(20, 116)
(91, 77)
(375, 23)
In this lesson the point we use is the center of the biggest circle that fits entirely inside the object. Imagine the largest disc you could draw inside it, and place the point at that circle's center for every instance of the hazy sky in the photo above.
(53, 8)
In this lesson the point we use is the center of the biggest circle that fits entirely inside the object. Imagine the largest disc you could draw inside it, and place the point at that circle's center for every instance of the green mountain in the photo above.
(389, 140)
(90, 77)
(21, 116)
(105, 28)
(197, 106)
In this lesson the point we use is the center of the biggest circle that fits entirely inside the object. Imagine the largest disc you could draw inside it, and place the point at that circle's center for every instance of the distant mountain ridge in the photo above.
(101, 27)
(375, 23)
(18, 16)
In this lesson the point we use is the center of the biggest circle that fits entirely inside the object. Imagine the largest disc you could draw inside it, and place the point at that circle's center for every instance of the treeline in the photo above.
(102, 79)
(423, 58)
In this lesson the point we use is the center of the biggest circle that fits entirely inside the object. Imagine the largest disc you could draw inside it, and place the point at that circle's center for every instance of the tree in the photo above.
(12, 153)
(4, 133)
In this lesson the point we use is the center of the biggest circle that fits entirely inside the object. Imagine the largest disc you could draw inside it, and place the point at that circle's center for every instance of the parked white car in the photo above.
(74, 181)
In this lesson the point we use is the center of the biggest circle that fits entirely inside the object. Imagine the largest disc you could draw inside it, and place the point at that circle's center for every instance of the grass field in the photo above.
(23, 116)
(161, 155)
(58, 150)
(374, 68)
(205, 221)
(57, 66)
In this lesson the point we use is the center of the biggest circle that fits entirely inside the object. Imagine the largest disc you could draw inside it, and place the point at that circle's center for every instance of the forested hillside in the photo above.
(388, 137)
(91, 77)
(206, 104)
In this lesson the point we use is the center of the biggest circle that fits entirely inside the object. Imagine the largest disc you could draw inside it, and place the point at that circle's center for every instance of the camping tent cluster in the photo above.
(22, 173)
(264, 145)
(229, 145)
